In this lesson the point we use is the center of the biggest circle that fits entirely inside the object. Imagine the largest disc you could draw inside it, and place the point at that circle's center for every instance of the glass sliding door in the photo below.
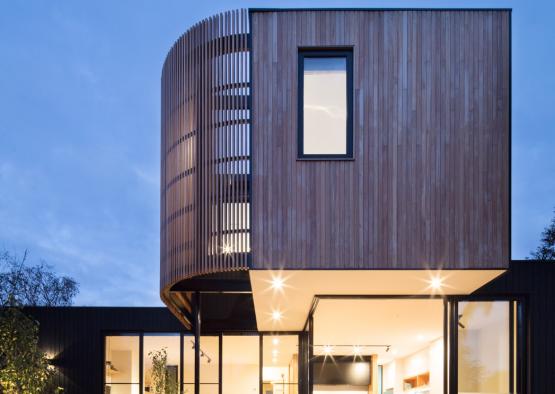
(485, 346)
(280, 364)
(240, 364)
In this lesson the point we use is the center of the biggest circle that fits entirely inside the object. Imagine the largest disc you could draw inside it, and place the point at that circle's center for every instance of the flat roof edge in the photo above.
(375, 9)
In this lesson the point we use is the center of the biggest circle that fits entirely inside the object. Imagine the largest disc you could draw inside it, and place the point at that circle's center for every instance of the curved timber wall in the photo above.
(205, 151)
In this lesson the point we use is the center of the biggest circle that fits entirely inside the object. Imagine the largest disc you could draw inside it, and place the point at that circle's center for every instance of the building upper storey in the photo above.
(337, 139)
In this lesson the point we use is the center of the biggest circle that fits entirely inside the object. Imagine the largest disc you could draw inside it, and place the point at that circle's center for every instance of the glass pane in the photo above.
(156, 347)
(122, 361)
(240, 365)
(209, 388)
(354, 338)
(325, 105)
(189, 388)
(209, 360)
(189, 360)
(122, 388)
(484, 347)
(280, 364)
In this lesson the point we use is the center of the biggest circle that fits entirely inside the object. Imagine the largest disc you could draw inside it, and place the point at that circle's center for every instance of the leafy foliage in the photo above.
(24, 368)
(162, 383)
(33, 285)
(546, 249)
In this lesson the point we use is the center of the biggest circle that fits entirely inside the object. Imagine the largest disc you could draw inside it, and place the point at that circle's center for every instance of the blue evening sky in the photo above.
(80, 126)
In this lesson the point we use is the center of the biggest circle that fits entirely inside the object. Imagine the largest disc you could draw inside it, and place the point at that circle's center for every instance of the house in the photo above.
(335, 212)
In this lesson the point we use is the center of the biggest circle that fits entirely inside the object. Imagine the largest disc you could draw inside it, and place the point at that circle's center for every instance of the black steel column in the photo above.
(196, 323)
(512, 348)
(181, 366)
(446, 320)
(453, 348)
(260, 364)
(141, 362)
(220, 364)
(310, 354)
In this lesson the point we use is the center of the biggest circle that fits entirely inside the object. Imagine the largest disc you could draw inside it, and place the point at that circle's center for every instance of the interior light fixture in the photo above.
(274, 360)
(420, 337)
(276, 315)
(275, 352)
(357, 350)
(277, 283)
(387, 349)
(328, 349)
(226, 249)
(275, 341)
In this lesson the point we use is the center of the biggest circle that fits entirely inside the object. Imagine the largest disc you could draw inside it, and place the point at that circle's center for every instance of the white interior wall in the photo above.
(428, 359)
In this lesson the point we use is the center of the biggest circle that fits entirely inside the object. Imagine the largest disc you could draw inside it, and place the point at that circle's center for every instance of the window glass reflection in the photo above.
(325, 106)
(483, 347)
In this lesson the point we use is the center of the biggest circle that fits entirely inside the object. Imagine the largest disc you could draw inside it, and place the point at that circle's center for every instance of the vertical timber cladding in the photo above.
(205, 151)
(429, 186)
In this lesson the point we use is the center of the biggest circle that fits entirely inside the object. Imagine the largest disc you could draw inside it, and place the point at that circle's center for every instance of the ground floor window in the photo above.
(360, 345)
(122, 365)
(378, 346)
(487, 347)
(161, 363)
(229, 364)
(280, 371)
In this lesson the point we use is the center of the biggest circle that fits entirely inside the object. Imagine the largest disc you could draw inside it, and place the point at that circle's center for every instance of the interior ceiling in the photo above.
(294, 299)
(407, 325)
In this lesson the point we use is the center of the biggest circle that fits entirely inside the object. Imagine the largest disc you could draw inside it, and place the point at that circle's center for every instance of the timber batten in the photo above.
(204, 218)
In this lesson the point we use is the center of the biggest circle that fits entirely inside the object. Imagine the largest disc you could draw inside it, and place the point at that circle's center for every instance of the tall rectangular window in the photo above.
(325, 104)
(280, 364)
(121, 364)
(240, 364)
(161, 363)
(484, 347)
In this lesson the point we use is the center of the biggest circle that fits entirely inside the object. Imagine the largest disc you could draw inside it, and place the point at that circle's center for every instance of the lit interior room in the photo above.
(122, 372)
(378, 346)
(280, 371)
(158, 347)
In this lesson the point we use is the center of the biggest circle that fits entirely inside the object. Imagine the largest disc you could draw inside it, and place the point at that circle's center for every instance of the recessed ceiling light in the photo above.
(275, 341)
(275, 352)
(420, 337)
(357, 350)
(276, 315)
(274, 360)
(277, 283)
(328, 349)
(436, 283)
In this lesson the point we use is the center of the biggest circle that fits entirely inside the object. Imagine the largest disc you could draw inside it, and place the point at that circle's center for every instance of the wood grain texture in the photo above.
(205, 152)
(429, 186)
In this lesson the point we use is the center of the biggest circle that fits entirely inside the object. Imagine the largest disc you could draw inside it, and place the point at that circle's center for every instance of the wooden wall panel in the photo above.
(429, 186)
(205, 153)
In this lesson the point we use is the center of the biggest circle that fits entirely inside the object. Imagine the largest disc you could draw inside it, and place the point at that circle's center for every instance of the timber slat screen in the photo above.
(205, 151)
(429, 183)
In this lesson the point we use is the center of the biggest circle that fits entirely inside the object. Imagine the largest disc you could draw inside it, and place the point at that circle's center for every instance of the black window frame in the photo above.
(347, 53)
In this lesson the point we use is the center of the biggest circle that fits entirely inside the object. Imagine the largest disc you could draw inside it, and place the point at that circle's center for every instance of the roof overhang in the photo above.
(292, 301)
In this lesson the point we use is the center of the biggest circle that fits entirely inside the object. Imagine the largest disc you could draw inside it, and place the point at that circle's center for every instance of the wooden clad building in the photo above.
(428, 183)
